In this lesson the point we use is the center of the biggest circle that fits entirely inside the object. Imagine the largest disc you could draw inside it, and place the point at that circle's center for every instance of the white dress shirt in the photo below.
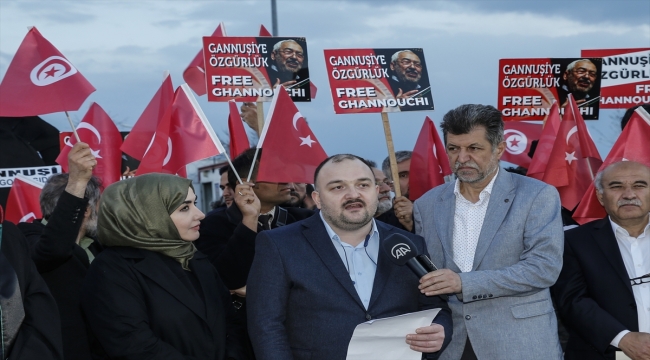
(468, 221)
(359, 261)
(635, 252)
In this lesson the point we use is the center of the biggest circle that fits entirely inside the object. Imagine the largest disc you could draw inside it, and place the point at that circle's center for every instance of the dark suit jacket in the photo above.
(302, 303)
(390, 218)
(593, 292)
(231, 245)
(39, 335)
(138, 308)
(63, 265)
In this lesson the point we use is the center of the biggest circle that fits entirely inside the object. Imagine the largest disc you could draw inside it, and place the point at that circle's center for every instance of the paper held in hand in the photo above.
(386, 338)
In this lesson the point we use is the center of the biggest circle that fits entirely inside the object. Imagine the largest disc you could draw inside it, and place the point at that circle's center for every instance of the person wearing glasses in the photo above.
(287, 60)
(579, 79)
(603, 292)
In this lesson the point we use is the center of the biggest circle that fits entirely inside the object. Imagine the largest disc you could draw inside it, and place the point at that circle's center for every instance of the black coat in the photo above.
(139, 308)
(39, 335)
(63, 265)
(231, 245)
(593, 293)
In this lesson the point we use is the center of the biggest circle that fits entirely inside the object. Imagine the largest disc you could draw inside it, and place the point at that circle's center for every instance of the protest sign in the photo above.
(625, 77)
(249, 68)
(378, 80)
(36, 173)
(528, 87)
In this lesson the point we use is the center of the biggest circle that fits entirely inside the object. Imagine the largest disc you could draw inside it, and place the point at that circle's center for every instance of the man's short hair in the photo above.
(465, 118)
(396, 55)
(242, 164)
(337, 159)
(55, 186)
(371, 163)
(399, 157)
(277, 45)
(573, 64)
(224, 169)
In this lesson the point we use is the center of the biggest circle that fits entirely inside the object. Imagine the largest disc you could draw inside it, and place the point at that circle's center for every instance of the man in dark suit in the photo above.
(313, 282)
(228, 237)
(603, 291)
(63, 244)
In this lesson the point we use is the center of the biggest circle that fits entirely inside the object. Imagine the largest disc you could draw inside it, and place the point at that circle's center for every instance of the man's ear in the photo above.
(599, 195)
(315, 195)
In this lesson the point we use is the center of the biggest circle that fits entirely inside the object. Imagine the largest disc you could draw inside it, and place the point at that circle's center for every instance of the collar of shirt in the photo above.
(271, 213)
(482, 196)
(85, 243)
(360, 261)
(619, 230)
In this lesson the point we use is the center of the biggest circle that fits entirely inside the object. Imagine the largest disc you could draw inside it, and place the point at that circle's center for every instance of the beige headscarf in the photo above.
(135, 212)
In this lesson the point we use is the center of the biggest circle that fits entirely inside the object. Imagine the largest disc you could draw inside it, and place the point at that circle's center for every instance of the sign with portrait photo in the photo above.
(247, 69)
(378, 80)
(528, 87)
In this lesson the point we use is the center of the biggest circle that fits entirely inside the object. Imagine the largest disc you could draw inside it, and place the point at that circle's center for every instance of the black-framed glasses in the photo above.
(645, 279)
(385, 181)
(408, 62)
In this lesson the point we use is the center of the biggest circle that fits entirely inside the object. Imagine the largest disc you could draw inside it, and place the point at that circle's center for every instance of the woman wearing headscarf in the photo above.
(149, 294)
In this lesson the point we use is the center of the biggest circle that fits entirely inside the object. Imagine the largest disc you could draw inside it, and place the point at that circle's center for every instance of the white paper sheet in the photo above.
(385, 339)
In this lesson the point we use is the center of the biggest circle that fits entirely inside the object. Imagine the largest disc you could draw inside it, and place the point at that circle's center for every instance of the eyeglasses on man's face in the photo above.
(290, 52)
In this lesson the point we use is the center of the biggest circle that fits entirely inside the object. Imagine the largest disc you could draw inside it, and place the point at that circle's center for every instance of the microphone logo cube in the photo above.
(400, 250)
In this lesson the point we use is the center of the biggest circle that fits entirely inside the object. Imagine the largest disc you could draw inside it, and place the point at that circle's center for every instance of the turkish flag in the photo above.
(40, 80)
(23, 204)
(429, 161)
(100, 133)
(631, 145)
(545, 144)
(194, 74)
(238, 138)
(183, 136)
(519, 135)
(140, 136)
(291, 151)
(574, 158)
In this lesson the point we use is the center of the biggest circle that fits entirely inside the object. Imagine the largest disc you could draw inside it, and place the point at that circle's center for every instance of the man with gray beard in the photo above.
(497, 240)
(312, 282)
(63, 243)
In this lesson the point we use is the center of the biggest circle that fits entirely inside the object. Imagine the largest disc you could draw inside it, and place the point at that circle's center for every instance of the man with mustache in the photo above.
(402, 207)
(603, 292)
(497, 239)
(313, 282)
(579, 79)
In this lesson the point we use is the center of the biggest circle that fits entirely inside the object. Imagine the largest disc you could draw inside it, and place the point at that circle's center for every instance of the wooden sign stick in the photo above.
(391, 154)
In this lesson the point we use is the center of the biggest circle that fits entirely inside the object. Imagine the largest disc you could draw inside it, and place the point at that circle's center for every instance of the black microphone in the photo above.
(402, 251)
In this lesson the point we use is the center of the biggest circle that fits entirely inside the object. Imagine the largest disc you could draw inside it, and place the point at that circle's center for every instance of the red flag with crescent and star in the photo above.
(194, 74)
(545, 144)
(429, 161)
(518, 136)
(40, 80)
(140, 136)
(631, 145)
(291, 152)
(100, 133)
(23, 203)
(574, 159)
(183, 136)
(238, 138)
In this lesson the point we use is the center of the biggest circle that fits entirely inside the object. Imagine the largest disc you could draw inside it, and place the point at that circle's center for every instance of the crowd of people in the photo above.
(288, 270)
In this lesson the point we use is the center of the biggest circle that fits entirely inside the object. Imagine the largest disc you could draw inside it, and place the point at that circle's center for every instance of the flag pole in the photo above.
(72, 126)
(260, 118)
(391, 154)
(233, 168)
